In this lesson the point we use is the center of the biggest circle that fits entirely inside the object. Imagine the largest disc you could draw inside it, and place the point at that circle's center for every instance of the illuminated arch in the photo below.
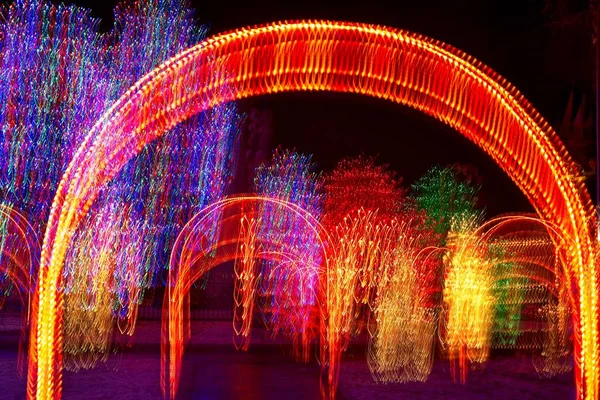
(212, 237)
(537, 252)
(515, 228)
(346, 57)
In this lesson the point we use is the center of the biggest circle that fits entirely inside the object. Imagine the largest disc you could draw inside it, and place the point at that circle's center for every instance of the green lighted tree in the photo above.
(444, 193)
(509, 291)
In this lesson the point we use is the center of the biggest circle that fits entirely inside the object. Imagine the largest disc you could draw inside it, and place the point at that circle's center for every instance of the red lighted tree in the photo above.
(358, 183)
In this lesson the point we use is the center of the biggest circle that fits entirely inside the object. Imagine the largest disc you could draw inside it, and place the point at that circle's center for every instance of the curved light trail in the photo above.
(346, 57)
(213, 236)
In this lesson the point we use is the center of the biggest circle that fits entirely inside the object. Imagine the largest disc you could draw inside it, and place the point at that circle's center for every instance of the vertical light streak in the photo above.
(291, 292)
(402, 327)
(468, 298)
(245, 282)
(45, 114)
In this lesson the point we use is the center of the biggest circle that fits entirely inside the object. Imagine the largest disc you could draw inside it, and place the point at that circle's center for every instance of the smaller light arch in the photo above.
(195, 252)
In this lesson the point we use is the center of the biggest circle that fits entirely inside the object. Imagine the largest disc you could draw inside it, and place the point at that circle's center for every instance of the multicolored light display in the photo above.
(92, 203)
(372, 281)
(122, 248)
(290, 291)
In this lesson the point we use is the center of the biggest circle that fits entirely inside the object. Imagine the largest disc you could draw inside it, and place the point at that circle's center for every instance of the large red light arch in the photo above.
(346, 57)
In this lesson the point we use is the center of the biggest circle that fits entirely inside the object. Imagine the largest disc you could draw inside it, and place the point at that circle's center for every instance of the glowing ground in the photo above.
(212, 369)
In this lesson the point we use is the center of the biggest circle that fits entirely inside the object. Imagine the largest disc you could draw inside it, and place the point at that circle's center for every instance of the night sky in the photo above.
(516, 38)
